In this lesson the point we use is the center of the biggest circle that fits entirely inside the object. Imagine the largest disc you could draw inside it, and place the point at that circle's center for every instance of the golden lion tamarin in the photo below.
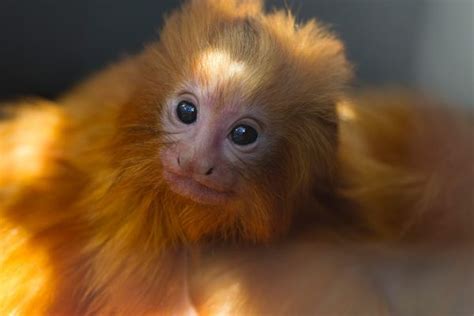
(235, 129)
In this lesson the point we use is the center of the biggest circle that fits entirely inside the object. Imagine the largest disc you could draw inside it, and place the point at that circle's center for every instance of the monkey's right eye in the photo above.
(187, 112)
(243, 135)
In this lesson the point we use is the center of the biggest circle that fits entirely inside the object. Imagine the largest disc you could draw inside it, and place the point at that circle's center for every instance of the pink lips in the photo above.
(194, 190)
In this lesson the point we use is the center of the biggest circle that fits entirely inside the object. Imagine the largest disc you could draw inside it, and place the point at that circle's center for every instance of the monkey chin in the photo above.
(196, 191)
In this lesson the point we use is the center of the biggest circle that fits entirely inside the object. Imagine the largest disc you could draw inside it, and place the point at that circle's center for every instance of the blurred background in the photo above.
(48, 45)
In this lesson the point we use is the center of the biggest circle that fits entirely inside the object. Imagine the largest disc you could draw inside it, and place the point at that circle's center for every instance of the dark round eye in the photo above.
(243, 135)
(187, 112)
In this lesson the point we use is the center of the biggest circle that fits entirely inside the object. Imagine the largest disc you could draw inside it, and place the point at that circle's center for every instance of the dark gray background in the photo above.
(47, 45)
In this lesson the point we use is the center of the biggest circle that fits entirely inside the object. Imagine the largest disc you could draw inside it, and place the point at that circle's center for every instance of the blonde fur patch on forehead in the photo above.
(216, 66)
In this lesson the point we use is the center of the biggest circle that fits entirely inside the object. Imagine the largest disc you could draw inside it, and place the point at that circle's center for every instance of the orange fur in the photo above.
(405, 162)
(111, 238)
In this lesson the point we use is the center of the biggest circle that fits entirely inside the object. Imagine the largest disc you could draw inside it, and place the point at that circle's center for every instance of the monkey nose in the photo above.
(195, 166)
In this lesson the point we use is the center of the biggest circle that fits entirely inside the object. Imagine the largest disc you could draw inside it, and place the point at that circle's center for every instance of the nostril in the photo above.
(209, 171)
(179, 161)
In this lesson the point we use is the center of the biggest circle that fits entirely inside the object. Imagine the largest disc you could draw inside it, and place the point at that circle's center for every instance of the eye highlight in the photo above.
(186, 112)
(243, 135)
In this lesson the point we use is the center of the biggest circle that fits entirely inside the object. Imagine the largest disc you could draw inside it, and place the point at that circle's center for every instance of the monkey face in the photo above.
(209, 149)
(216, 137)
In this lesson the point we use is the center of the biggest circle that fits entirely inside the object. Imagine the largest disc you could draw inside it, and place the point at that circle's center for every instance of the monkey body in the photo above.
(43, 242)
(91, 225)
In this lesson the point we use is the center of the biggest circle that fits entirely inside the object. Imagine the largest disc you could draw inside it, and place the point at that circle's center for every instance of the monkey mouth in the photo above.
(194, 190)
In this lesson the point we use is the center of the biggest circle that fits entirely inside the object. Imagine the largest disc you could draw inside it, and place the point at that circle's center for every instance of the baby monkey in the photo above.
(235, 129)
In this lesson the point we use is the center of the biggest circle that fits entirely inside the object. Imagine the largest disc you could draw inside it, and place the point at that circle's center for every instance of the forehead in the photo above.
(218, 76)
(231, 65)
(226, 63)
(214, 65)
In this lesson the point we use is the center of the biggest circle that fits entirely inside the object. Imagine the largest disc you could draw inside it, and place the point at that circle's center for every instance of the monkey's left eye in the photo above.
(187, 112)
(243, 135)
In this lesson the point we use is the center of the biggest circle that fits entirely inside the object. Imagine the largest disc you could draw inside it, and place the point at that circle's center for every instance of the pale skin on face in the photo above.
(203, 161)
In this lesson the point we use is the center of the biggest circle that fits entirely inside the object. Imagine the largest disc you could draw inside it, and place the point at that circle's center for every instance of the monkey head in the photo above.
(239, 110)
